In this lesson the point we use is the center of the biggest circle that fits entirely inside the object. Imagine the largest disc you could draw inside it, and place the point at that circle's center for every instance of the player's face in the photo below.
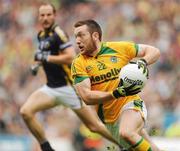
(84, 40)
(46, 16)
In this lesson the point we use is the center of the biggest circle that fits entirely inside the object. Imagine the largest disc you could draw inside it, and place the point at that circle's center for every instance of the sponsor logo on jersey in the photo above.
(111, 75)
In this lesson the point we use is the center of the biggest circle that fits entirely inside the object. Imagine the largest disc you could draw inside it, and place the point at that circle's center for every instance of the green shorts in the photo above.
(114, 130)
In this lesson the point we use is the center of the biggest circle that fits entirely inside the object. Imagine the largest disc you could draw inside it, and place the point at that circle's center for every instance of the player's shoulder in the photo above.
(78, 57)
(120, 43)
(56, 28)
(60, 32)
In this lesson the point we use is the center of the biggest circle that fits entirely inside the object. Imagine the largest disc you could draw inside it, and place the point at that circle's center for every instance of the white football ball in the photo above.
(131, 74)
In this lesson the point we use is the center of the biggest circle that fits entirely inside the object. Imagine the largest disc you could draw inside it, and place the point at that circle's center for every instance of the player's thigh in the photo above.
(38, 101)
(66, 96)
(131, 120)
(133, 116)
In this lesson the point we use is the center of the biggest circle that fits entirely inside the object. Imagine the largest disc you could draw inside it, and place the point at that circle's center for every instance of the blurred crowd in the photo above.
(154, 22)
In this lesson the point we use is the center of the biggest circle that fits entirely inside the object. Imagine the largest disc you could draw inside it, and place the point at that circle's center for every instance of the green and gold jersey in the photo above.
(103, 71)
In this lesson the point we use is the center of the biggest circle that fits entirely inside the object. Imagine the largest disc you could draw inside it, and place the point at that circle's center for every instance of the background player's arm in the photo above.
(67, 53)
(149, 53)
(89, 96)
(64, 57)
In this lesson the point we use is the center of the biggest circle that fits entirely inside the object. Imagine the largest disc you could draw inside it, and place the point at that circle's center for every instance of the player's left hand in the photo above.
(142, 64)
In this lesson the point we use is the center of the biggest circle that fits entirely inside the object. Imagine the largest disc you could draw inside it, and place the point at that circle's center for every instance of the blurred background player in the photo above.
(95, 73)
(55, 54)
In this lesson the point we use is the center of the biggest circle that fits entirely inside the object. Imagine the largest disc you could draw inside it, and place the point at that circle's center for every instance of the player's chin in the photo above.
(82, 50)
(83, 53)
(46, 26)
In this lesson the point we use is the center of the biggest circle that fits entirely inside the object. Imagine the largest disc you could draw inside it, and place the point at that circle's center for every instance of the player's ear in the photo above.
(95, 35)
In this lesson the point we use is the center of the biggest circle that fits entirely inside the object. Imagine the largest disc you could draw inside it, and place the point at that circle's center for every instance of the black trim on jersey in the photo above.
(105, 81)
(100, 113)
(67, 75)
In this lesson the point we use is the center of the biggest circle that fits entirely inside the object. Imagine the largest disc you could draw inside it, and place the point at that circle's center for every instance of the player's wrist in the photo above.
(45, 58)
(39, 56)
(143, 61)
(115, 94)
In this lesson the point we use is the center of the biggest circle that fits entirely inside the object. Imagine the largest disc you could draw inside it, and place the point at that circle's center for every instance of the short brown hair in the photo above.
(93, 26)
(50, 4)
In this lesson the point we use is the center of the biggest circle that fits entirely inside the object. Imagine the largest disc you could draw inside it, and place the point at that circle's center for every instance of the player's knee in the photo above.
(93, 128)
(126, 134)
(96, 127)
(26, 114)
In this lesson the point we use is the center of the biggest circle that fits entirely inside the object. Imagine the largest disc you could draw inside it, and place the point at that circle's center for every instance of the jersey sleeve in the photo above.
(63, 39)
(127, 49)
(78, 71)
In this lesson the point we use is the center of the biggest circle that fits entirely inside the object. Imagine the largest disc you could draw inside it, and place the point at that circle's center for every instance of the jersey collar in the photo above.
(99, 50)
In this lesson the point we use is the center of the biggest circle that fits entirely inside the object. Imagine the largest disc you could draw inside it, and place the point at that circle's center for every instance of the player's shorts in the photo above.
(138, 105)
(64, 95)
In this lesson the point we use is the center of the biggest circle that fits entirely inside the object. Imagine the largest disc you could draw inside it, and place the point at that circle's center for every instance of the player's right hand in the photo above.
(40, 56)
(122, 91)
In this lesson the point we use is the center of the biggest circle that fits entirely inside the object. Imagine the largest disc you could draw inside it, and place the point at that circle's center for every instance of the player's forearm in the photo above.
(65, 57)
(153, 56)
(60, 59)
(95, 97)
(150, 53)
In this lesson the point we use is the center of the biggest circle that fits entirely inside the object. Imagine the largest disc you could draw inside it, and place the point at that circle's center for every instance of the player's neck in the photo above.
(96, 51)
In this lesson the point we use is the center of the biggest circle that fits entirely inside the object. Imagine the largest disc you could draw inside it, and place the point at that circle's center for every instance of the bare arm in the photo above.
(64, 57)
(149, 53)
(89, 96)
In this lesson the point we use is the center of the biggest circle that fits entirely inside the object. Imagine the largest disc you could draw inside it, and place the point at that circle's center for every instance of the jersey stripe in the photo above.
(79, 79)
(137, 48)
(106, 50)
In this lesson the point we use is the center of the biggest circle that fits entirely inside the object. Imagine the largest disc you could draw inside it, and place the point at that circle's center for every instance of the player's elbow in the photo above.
(69, 59)
(87, 102)
(70, 54)
(87, 99)
(85, 94)
(157, 53)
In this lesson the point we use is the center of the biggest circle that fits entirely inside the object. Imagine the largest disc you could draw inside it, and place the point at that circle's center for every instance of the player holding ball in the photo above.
(95, 72)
